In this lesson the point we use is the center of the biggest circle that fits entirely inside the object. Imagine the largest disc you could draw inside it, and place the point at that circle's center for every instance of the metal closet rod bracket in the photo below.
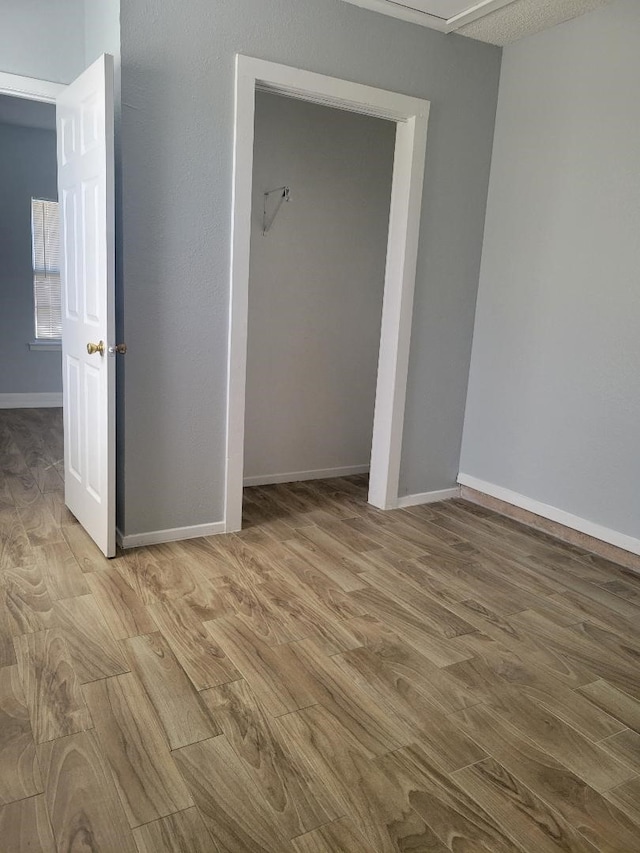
(267, 221)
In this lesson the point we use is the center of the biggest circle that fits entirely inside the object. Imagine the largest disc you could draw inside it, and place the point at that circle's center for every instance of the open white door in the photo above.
(86, 196)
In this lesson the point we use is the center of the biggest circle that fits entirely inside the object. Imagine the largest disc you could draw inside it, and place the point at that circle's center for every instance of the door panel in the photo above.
(86, 191)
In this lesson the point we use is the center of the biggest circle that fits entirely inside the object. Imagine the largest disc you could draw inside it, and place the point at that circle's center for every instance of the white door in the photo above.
(86, 196)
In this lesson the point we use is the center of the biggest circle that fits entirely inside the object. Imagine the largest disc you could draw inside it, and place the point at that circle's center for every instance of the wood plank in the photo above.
(7, 650)
(124, 612)
(605, 826)
(296, 801)
(144, 773)
(503, 667)
(93, 648)
(337, 837)
(440, 619)
(455, 818)
(51, 688)
(381, 811)
(625, 747)
(39, 524)
(274, 673)
(24, 825)
(445, 692)
(525, 817)
(586, 759)
(19, 770)
(303, 614)
(28, 604)
(367, 720)
(15, 549)
(614, 702)
(448, 747)
(180, 709)
(627, 798)
(203, 659)
(410, 627)
(330, 557)
(81, 800)
(539, 650)
(86, 552)
(233, 809)
(61, 572)
(23, 489)
(183, 832)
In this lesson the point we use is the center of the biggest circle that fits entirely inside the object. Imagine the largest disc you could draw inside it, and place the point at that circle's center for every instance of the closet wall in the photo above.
(316, 287)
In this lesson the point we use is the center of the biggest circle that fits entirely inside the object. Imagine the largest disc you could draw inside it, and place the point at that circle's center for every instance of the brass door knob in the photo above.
(92, 349)
(118, 349)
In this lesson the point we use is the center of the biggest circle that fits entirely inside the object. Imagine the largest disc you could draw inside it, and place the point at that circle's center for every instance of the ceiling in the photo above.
(27, 113)
(499, 22)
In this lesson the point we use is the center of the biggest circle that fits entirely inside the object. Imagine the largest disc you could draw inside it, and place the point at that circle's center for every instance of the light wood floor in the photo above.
(332, 679)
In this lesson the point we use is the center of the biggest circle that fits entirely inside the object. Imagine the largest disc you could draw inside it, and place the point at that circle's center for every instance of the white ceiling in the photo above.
(526, 17)
(27, 113)
(498, 22)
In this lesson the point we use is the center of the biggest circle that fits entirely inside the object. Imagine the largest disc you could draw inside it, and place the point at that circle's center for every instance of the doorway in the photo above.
(410, 116)
(322, 190)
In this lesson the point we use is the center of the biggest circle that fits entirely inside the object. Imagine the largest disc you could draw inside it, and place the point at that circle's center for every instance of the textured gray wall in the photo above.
(27, 170)
(554, 397)
(101, 29)
(42, 38)
(316, 285)
(178, 83)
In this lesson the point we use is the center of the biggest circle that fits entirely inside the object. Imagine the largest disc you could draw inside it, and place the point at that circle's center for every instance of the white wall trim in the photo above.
(175, 534)
(49, 400)
(29, 88)
(411, 116)
(298, 476)
(428, 497)
(412, 13)
(575, 522)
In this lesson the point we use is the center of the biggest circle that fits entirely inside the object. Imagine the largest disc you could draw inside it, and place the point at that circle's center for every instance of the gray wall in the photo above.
(316, 286)
(178, 72)
(101, 29)
(42, 38)
(27, 170)
(554, 397)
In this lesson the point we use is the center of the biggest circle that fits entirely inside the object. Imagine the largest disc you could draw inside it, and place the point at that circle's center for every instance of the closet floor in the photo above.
(333, 678)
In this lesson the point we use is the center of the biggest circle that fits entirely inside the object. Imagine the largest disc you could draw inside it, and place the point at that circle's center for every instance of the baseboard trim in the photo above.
(175, 534)
(562, 522)
(48, 400)
(428, 497)
(297, 476)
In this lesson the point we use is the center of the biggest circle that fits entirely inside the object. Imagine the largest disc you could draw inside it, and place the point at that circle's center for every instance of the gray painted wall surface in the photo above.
(316, 286)
(42, 38)
(554, 397)
(27, 170)
(178, 73)
(101, 29)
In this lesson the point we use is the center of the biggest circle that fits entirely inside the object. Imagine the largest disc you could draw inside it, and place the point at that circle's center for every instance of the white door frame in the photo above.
(411, 116)
(30, 88)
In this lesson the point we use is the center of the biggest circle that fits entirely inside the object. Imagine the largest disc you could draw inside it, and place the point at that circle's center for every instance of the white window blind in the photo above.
(45, 230)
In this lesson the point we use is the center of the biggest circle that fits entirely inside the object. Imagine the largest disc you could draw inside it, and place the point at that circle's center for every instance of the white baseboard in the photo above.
(48, 400)
(175, 534)
(575, 522)
(297, 476)
(428, 497)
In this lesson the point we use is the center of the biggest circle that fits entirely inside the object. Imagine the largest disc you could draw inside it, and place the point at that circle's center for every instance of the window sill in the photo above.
(45, 346)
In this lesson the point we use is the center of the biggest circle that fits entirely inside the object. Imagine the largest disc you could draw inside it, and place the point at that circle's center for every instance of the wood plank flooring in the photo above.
(333, 679)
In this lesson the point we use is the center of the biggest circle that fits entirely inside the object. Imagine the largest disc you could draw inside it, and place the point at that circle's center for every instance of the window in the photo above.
(45, 231)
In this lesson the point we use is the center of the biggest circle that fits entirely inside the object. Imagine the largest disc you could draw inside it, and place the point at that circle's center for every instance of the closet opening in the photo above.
(327, 195)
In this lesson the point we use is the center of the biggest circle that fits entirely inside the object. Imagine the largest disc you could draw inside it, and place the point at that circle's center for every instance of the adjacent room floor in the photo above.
(334, 678)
